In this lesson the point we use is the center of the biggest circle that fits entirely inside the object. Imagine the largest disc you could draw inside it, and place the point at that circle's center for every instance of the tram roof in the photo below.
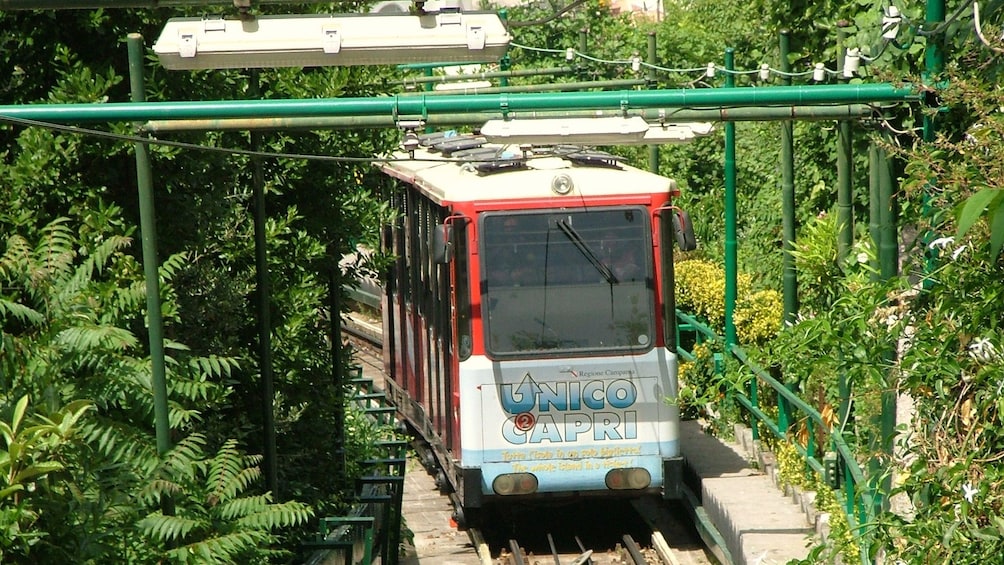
(471, 169)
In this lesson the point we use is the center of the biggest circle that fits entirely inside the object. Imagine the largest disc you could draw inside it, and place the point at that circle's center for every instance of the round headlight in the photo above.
(562, 184)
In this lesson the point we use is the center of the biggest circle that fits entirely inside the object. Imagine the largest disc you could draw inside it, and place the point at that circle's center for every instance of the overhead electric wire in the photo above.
(964, 7)
(197, 147)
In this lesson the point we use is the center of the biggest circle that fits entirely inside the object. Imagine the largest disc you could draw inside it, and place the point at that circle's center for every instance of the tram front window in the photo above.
(559, 283)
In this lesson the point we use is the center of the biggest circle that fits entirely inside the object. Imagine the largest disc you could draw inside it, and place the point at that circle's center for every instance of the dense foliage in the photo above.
(933, 333)
(82, 479)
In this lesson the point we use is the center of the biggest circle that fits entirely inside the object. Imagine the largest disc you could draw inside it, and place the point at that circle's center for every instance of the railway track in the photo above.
(627, 552)
(585, 534)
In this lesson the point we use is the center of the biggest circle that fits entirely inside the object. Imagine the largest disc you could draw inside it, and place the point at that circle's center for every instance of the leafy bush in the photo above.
(758, 316)
(701, 384)
(212, 518)
(700, 290)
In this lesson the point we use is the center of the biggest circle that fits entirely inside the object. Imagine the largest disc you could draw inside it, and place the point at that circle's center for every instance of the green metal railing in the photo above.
(837, 465)
(372, 528)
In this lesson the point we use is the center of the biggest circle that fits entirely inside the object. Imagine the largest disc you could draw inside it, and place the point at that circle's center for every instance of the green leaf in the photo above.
(996, 230)
(37, 470)
(973, 209)
(946, 540)
(19, 410)
(1000, 525)
(10, 490)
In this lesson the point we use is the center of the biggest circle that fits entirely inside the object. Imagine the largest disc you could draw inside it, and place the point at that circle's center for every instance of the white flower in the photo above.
(958, 251)
(968, 492)
(862, 257)
(941, 242)
(982, 350)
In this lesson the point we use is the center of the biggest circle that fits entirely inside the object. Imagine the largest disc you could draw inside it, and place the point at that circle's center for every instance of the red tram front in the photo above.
(529, 320)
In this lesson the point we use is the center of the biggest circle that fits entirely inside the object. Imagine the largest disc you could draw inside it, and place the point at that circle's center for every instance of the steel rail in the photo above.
(633, 550)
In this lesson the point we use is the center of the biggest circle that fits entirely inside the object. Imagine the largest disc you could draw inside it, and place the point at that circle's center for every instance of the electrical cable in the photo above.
(207, 148)
(566, 53)
(979, 29)
(944, 25)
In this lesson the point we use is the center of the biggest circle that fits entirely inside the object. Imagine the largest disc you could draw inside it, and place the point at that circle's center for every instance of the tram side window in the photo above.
(463, 290)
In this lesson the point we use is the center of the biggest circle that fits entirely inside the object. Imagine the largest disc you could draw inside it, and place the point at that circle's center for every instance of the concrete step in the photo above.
(758, 523)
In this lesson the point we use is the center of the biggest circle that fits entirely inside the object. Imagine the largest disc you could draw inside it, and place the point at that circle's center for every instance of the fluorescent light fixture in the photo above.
(676, 133)
(591, 131)
(576, 131)
(322, 40)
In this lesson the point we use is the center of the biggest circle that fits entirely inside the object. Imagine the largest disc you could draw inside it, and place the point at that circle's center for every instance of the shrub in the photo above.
(700, 289)
(758, 316)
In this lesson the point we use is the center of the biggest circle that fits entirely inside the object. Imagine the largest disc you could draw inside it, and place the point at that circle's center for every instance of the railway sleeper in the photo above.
(627, 553)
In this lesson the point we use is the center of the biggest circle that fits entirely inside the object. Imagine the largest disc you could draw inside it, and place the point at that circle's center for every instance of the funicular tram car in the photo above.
(528, 320)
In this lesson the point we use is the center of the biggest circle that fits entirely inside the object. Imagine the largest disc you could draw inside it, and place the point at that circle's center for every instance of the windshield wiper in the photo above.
(586, 251)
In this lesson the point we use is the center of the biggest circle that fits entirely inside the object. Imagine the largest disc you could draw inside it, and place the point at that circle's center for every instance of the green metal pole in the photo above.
(933, 56)
(829, 113)
(933, 66)
(337, 365)
(874, 205)
(653, 150)
(148, 231)
(888, 250)
(505, 63)
(889, 264)
(788, 225)
(411, 105)
(845, 170)
(845, 220)
(731, 254)
(264, 311)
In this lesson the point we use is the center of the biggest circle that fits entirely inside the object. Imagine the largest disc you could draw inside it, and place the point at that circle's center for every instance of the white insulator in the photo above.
(891, 19)
(852, 61)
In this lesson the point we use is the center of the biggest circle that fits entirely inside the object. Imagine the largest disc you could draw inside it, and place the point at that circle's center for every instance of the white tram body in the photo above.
(529, 320)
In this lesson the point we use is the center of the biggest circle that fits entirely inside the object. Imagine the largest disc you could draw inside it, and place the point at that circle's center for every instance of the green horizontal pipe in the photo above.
(486, 75)
(416, 105)
(652, 115)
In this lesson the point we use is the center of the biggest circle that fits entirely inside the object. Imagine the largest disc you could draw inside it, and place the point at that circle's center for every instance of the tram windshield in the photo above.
(569, 282)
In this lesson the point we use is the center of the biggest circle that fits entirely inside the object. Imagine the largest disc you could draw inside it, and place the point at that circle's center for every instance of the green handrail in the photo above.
(859, 497)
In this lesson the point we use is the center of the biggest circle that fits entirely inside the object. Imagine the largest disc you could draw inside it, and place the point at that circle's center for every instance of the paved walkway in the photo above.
(427, 514)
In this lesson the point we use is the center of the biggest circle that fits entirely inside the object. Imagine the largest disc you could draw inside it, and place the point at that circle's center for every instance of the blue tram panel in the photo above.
(570, 426)
(529, 317)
